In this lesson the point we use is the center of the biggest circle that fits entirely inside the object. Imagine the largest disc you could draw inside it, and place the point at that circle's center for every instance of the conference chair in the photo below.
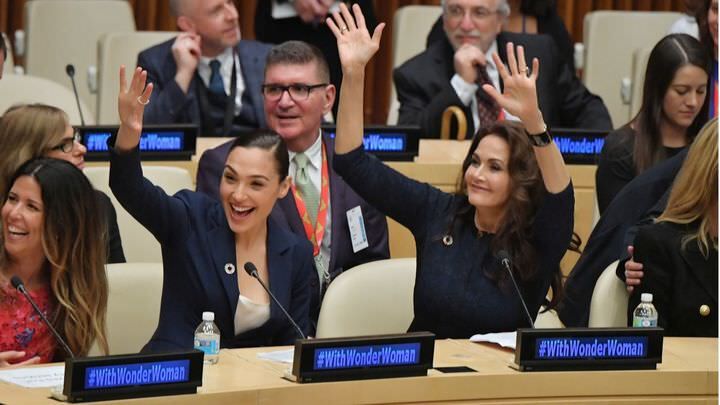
(369, 299)
(411, 26)
(610, 38)
(9, 61)
(640, 61)
(133, 305)
(138, 243)
(115, 49)
(60, 32)
(20, 89)
(609, 303)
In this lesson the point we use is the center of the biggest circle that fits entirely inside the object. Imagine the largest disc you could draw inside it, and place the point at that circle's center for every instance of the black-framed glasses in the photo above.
(297, 91)
(68, 144)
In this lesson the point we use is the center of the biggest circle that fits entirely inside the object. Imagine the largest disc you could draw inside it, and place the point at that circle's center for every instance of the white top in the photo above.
(226, 60)
(646, 297)
(466, 91)
(250, 315)
(314, 168)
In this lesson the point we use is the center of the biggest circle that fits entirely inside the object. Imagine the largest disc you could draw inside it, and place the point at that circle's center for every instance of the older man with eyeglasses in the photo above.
(450, 72)
(297, 94)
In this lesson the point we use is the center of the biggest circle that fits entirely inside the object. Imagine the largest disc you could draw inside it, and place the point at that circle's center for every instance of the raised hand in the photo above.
(186, 52)
(355, 45)
(131, 107)
(519, 97)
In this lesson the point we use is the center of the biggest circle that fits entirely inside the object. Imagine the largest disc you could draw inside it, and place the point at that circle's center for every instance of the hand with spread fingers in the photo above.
(355, 45)
(519, 96)
(131, 107)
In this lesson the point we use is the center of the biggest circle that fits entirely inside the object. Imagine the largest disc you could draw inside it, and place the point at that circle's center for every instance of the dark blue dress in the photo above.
(454, 297)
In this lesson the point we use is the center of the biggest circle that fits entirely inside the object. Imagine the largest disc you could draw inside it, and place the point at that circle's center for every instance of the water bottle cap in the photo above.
(208, 316)
(646, 297)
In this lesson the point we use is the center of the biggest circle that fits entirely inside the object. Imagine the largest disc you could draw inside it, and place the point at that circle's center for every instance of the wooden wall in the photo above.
(154, 15)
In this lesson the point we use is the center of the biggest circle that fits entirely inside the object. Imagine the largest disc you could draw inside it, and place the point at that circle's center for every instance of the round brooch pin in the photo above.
(229, 268)
(447, 240)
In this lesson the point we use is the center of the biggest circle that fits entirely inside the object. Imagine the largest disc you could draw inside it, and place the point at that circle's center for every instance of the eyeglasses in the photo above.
(297, 91)
(68, 144)
(455, 12)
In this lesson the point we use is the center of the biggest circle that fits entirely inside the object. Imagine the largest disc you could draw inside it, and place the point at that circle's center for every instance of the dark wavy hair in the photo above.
(267, 140)
(73, 241)
(667, 57)
(526, 190)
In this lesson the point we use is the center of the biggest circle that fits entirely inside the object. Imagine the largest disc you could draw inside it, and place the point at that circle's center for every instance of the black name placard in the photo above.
(588, 349)
(157, 142)
(132, 376)
(363, 357)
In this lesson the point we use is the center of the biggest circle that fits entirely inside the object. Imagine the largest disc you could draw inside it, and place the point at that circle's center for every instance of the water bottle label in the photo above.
(207, 346)
(644, 323)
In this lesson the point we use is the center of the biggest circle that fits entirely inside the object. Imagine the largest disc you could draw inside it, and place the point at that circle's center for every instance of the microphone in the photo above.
(252, 271)
(18, 284)
(70, 70)
(504, 258)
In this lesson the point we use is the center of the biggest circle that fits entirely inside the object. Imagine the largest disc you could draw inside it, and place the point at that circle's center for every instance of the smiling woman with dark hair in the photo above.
(206, 241)
(52, 240)
(515, 195)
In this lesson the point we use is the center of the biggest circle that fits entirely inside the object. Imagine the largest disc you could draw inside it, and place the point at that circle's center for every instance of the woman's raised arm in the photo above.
(356, 47)
(519, 98)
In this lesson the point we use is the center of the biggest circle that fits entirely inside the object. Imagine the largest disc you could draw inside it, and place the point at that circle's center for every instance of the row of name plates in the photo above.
(382, 356)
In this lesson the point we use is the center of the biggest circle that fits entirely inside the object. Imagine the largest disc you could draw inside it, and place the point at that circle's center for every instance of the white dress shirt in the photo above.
(314, 167)
(466, 91)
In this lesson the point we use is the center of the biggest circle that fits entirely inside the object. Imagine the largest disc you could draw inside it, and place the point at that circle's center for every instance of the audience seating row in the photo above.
(373, 298)
(100, 35)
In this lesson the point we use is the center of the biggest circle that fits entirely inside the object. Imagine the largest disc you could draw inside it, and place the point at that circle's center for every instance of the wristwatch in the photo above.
(541, 139)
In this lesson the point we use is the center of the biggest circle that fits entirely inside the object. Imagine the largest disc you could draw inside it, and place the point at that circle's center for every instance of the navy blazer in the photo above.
(424, 90)
(197, 247)
(608, 240)
(170, 105)
(342, 199)
(680, 279)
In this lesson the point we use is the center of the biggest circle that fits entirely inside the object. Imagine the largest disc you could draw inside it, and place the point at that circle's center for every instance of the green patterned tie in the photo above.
(305, 186)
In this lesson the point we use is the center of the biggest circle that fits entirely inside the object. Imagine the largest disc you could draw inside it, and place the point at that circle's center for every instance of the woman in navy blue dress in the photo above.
(515, 196)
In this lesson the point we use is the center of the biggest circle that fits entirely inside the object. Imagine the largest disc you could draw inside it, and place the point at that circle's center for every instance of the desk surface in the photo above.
(688, 374)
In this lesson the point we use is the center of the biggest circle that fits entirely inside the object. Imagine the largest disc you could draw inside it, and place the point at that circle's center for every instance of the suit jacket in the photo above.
(115, 251)
(424, 89)
(197, 247)
(169, 105)
(342, 198)
(608, 240)
(680, 279)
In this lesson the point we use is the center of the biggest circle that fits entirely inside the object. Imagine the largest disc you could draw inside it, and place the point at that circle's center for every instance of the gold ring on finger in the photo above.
(344, 28)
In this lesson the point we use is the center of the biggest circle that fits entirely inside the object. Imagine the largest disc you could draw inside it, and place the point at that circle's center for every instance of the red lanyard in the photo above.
(316, 237)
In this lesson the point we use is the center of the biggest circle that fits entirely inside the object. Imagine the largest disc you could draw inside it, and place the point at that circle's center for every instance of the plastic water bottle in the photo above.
(207, 338)
(645, 315)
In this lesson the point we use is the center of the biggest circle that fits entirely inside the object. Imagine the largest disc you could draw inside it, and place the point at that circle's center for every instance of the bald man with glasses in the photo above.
(297, 94)
(450, 72)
